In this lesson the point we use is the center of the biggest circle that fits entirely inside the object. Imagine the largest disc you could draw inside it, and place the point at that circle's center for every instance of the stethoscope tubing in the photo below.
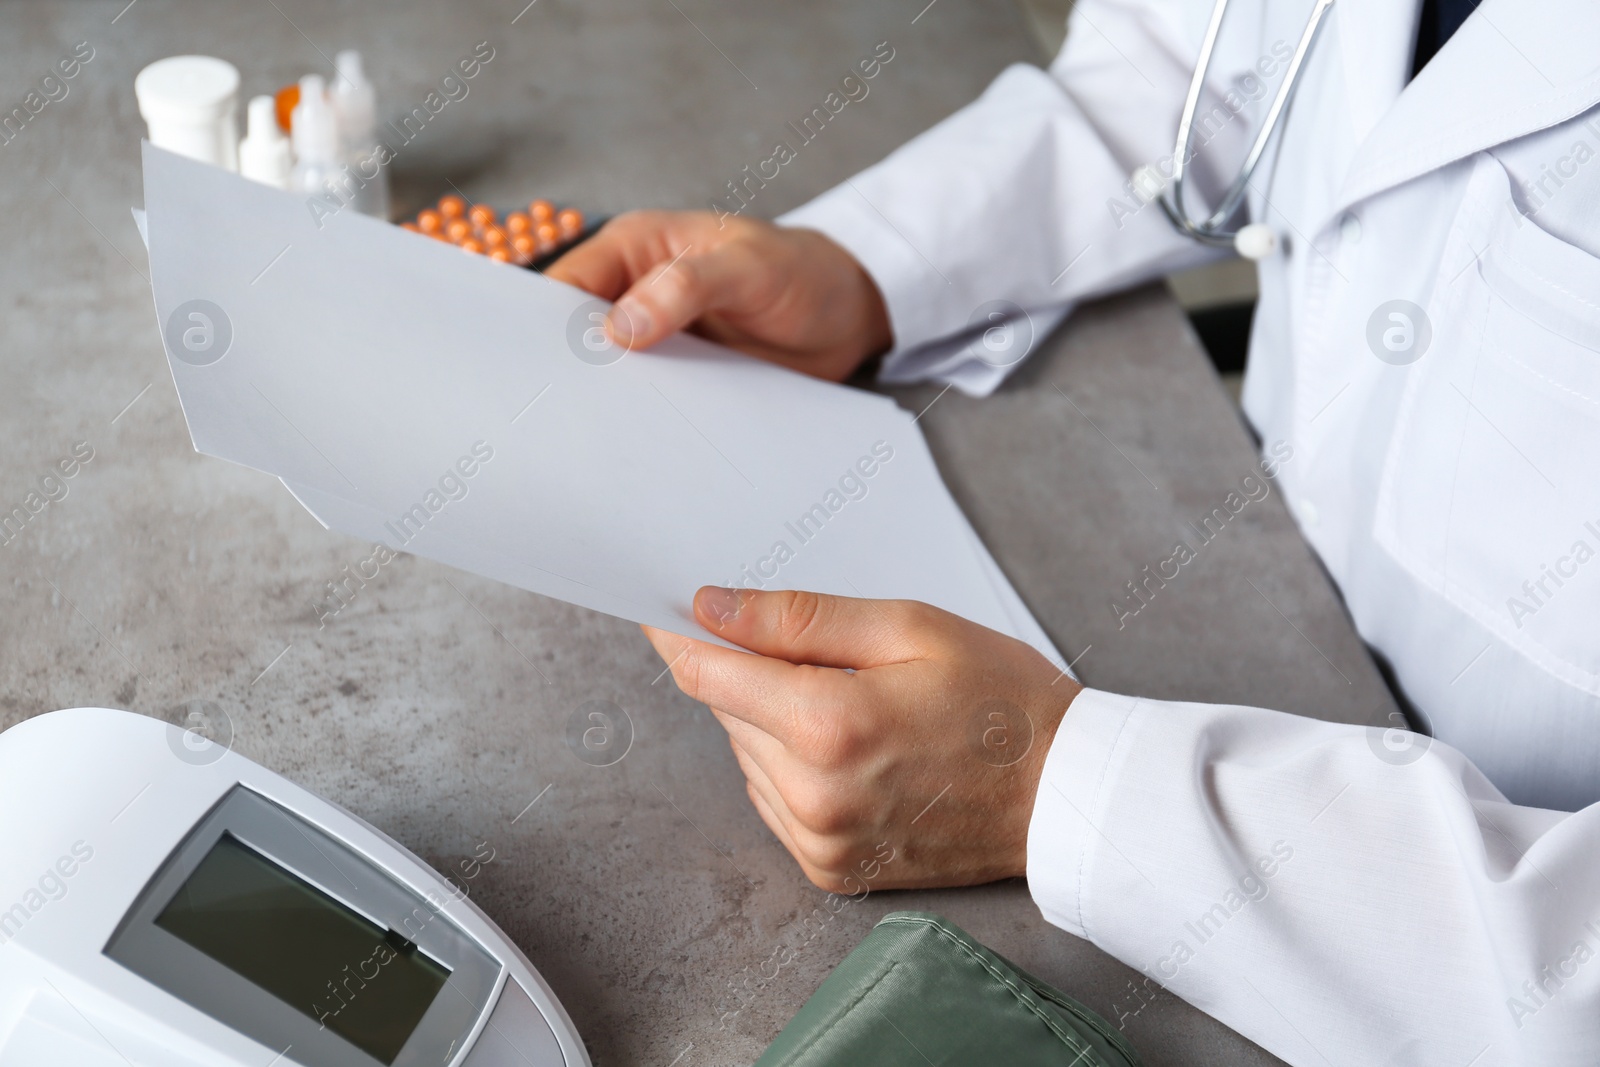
(1210, 229)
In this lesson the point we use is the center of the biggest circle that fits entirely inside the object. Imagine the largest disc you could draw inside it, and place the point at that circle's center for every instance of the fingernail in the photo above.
(721, 604)
(628, 319)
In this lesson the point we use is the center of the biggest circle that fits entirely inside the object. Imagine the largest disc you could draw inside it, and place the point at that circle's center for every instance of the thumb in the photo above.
(815, 628)
(675, 294)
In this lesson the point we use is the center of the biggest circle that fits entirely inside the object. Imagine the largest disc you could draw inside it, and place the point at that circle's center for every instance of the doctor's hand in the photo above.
(790, 296)
(933, 746)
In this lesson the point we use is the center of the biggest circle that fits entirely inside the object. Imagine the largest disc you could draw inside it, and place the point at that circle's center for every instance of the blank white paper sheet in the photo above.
(470, 412)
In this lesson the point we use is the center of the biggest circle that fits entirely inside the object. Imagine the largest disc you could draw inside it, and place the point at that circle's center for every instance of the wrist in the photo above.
(866, 311)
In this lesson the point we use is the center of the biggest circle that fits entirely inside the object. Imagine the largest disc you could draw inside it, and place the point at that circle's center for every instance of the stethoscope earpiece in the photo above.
(1256, 241)
(1148, 182)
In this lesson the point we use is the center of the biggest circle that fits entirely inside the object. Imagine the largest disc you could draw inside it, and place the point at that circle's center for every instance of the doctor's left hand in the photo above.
(933, 745)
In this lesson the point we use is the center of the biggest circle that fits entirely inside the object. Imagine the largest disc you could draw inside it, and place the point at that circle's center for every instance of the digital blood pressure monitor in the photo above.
(165, 901)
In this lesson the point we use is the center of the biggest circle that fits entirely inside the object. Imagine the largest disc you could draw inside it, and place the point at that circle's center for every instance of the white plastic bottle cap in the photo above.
(313, 124)
(264, 152)
(355, 102)
(188, 104)
(1256, 241)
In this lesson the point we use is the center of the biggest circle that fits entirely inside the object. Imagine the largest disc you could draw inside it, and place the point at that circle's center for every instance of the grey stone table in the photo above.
(672, 925)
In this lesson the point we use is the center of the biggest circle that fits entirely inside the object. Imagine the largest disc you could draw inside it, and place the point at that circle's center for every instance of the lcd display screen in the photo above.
(273, 928)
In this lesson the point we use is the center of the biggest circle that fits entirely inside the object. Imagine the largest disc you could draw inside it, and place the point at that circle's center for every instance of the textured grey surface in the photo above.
(1108, 448)
(436, 705)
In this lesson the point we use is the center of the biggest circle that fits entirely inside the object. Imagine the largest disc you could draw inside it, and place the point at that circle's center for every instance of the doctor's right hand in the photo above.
(791, 296)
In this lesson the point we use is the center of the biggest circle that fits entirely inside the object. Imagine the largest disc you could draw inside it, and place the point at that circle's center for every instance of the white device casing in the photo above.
(112, 784)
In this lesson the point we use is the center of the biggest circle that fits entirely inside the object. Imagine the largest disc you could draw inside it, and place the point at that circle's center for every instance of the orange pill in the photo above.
(472, 244)
(571, 222)
(459, 230)
(428, 221)
(481, 215)
(452, 206)
(500, 255)
(542, 210)
(547, 233)
(494, 237)
(525, 246)
(518, 222)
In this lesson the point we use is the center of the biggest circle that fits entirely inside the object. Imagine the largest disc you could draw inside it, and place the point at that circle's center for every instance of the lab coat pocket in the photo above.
(1490, 493)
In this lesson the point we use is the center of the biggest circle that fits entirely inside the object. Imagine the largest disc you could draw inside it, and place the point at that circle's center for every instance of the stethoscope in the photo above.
(1256, 240)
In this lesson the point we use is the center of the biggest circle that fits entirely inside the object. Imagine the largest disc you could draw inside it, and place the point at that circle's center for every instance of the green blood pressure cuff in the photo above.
(920, 991)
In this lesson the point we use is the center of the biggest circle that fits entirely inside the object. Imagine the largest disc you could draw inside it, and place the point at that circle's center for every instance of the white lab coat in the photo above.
(1337, 894)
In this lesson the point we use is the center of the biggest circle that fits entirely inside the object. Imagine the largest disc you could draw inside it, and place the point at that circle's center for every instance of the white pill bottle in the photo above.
(190, 106)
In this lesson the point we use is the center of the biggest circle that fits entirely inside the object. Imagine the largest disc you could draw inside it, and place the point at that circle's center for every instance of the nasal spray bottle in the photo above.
(315, 130)
(355, 104)
(264, 152)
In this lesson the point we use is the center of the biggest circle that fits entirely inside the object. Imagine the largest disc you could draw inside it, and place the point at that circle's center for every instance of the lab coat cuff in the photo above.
(1079, 775)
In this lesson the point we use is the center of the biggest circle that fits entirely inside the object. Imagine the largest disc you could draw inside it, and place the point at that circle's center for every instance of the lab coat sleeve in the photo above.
(1338, 894)
(1024, 197)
